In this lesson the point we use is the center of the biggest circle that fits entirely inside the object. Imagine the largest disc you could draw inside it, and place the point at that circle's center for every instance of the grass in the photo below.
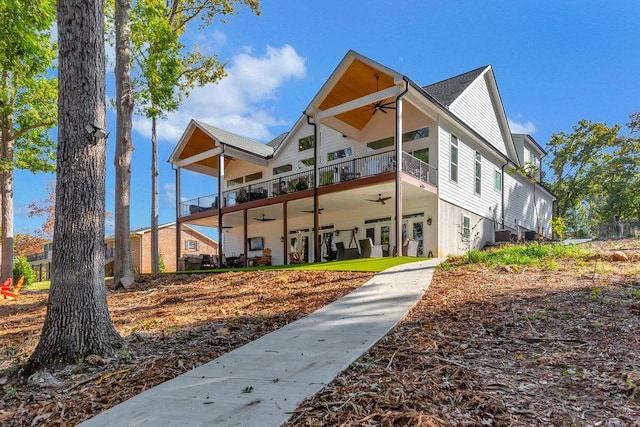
(39, 286)
(531, 254)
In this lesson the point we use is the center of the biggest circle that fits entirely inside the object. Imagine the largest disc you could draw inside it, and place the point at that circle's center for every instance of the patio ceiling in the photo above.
(358, 80)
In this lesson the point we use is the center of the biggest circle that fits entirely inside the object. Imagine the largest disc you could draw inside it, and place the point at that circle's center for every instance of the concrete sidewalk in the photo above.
(261, 383)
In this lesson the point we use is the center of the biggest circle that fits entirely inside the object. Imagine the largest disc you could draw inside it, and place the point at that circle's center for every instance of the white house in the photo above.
(334, 177)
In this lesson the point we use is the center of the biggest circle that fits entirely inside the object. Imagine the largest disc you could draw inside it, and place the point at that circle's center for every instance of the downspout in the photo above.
(220, 177)
(502, 196)
(398, 136)
(316, 219)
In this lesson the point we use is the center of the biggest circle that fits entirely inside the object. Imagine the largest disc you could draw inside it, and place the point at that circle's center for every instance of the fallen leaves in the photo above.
(172, 323)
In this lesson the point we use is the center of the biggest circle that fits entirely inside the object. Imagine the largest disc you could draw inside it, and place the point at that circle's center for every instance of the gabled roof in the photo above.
(447, 91)
(236, 141)
(532, 141)
(275, 142)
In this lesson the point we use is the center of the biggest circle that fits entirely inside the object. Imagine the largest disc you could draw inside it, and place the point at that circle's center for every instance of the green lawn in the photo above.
(373, 265)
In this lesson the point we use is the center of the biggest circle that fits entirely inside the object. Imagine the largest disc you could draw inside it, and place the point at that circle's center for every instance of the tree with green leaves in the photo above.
(595, 172)
(27, 102)
(165, 70)
(77, 322)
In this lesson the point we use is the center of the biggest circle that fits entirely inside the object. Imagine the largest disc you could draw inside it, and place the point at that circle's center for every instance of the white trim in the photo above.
(198, 157)
(359, 102)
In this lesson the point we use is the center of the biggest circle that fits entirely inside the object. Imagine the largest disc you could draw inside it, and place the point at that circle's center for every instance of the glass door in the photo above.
(414, 226)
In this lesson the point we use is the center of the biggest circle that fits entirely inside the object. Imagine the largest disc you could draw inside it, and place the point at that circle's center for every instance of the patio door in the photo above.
(413, 228)
(299, 242)
(379, 230)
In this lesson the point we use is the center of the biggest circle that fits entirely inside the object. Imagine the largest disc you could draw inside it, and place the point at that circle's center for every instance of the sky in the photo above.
(555, 62)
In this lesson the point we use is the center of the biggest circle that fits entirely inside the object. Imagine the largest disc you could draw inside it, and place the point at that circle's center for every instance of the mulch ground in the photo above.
(558, 345)
(172, 323)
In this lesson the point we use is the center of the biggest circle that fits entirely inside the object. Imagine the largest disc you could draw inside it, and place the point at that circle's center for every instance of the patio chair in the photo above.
(343, 253)
(410, 248)
(294, 258)
(369, 250)
(265, 259)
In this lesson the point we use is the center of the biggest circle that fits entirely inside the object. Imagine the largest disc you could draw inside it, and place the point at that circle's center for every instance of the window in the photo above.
(453, 159)
(192, 245)
(306, 143)
(381, 143)
(340, 154)
(253, 177)
(282, 169)
(497, 180)
(305, 163)
(234, 182)
(416, 134)
(466, 227)
(478, 173)
(422, 154)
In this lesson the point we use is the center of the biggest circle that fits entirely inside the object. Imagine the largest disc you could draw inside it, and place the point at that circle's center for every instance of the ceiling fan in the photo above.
(380, 105)
(312, 211)
(264, 219)
(380, 199)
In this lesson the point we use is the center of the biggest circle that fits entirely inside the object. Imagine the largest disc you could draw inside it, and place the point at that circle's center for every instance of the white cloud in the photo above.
(527, 127)
(239, 103)
(168, 195)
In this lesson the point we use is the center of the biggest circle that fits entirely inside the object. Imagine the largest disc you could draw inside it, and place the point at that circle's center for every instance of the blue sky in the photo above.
(555, 63)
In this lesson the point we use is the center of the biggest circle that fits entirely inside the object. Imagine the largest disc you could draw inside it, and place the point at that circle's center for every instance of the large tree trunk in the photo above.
(77, 322)
(6, 196)
(123, 274)
(155, 256)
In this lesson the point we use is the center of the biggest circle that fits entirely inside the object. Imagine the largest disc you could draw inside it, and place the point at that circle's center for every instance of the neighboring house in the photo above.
(334, 177)
(192, 242)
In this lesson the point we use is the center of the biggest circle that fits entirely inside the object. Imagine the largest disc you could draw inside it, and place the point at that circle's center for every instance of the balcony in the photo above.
(336, 173)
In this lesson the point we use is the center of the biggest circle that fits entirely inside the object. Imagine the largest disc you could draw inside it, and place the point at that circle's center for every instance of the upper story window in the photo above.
(253, 177)
(234, 182)
(191, 245)
(282, 169)
(415, 134)
(306, 143)
(478, 180)
(305, 163)
(381, 143)
(497, 180)
(340, 154)
(453, 159)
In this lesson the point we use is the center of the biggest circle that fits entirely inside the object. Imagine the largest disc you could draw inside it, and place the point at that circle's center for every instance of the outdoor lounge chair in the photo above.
(346, 253)
(369, 250)
(265, 259)
(410, 248)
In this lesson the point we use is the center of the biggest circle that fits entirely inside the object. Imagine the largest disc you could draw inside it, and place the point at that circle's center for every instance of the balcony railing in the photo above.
(336, 173)
(419, 169)
(37, 257)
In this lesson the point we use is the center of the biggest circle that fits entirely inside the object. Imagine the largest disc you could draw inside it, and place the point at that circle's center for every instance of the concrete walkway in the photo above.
(261, 383)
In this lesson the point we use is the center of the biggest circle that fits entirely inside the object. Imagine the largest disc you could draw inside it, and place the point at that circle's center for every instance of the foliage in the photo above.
(559, 227)
(46, 208)
(595, 172)
(28, 93)
(163, 267)
(522, 255)
(470, 237)
(21, 267)
(26, 244)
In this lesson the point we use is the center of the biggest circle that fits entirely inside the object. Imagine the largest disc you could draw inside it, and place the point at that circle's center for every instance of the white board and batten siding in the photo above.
(520, 207)
(476, 107)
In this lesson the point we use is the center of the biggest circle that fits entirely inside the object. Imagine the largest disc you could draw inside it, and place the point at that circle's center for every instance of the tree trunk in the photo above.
(123, 273)
(77, 322)
(155, 256)
(6, 197)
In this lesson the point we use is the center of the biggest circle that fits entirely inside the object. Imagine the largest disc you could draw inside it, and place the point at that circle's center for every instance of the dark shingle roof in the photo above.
(275, 142)
(446, 91)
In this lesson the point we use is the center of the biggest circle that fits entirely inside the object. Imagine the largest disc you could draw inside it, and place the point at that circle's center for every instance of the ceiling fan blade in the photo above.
(382, 109)
(369, 200)
(385, 198)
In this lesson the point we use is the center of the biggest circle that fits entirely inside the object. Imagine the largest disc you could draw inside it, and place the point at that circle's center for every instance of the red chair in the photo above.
(6, 288)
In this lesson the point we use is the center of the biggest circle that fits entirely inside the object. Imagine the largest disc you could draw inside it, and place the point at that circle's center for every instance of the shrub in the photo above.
(21, 267)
